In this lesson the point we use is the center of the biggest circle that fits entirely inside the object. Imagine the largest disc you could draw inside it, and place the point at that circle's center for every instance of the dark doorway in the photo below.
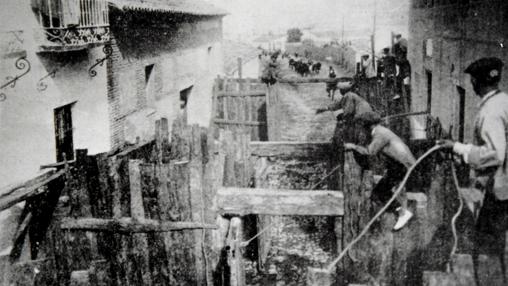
(429, 90)
(63, 133)
(462, 110)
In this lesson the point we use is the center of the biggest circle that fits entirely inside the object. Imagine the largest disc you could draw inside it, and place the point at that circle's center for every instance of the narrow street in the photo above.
(298, 109)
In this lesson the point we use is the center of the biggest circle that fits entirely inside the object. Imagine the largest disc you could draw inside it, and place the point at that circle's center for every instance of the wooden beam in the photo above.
(243, 201)
(129, 225)
(57, 165)
(30, 189)
(26, 183)
(314, 80)
(287, 149)
(238, 122)
(242, 93)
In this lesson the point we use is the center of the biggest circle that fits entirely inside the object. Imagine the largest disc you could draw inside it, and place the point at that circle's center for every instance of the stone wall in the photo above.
(460, 34)
(148, 71)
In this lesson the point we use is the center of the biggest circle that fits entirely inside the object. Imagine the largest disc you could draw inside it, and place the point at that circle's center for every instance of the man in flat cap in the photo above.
(397, 158)
(347, 107)
(487, 155)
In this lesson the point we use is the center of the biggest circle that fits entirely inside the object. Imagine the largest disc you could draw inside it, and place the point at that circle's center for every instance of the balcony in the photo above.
(71, 24)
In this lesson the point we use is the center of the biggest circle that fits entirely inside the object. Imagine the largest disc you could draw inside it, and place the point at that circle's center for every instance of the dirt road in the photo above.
(298, 110)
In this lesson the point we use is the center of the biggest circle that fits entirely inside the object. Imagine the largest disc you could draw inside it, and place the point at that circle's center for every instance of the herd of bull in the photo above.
(304, 68)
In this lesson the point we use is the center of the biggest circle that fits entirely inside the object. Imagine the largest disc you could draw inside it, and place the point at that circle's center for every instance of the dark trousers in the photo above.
(382, 192)
(490, 232)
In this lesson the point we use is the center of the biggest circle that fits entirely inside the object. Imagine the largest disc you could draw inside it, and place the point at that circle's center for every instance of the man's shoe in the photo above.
(404, 217)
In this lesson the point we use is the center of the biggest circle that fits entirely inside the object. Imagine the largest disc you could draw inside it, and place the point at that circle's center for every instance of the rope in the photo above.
(455, 217)
(395, 195)
(326, 177)
(245, 243)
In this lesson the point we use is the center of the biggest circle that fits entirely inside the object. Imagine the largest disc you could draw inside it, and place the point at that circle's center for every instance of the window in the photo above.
(184, 98)
(148, 73)
(429, 90)
(150, 84)
(427, 48)
(462, 110)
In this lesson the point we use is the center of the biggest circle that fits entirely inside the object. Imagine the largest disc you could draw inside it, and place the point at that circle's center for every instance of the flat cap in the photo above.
(368, 118)
(486, 70)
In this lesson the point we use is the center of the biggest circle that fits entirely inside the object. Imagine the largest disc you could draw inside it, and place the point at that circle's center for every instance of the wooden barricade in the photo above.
(240, 106)
(140, 216)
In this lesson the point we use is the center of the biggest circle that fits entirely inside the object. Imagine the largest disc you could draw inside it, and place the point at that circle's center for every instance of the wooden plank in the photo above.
(287, 149)
(80, 278)
(242, 201)
(180, 245)
(406, 256)
(57, 165)
(239, 122)
(242, 94)
(130, 225)
(26, 183)
(137, 209)
(31, 189)
(371, 256)
(314, 80)
(197, 202)
(225, 110)
(140, 242)
(235, 237)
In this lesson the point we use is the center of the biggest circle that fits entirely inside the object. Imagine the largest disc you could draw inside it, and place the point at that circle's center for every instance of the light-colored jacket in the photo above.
(488, 153)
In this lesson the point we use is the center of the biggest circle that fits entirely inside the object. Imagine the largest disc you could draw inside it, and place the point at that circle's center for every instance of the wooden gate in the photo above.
(240, 106)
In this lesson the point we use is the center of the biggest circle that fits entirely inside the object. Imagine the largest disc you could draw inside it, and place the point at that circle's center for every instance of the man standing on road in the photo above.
(488, 157)
(398, 158)
(331, 87)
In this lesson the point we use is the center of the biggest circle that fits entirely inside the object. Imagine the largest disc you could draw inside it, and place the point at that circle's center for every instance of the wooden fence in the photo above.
(142, 216)
(240, 106)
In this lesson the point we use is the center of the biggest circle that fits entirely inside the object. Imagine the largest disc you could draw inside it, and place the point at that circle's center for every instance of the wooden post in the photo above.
(139, 241)
(239, 68)
(197, 202)
(357, 209)
(235, 238)
(318, 277)
(272, 113)
(80, 278)
(407, 248)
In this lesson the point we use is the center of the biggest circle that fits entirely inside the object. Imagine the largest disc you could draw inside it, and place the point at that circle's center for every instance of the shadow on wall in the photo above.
(139, 35)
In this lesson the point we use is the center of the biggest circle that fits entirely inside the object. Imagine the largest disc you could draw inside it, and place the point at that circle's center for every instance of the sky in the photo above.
(249, 18)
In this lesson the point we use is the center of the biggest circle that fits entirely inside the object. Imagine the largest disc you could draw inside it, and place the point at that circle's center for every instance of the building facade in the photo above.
(95, 74)
(445, 37)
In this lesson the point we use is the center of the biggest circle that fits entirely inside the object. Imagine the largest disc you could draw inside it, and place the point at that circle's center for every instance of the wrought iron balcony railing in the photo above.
(72, 24)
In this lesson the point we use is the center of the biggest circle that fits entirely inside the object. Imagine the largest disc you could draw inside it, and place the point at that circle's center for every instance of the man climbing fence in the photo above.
(398, 158)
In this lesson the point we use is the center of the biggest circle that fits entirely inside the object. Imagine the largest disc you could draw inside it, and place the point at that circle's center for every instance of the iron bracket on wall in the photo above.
(108, 51)
(21, 64)
(41, 85)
